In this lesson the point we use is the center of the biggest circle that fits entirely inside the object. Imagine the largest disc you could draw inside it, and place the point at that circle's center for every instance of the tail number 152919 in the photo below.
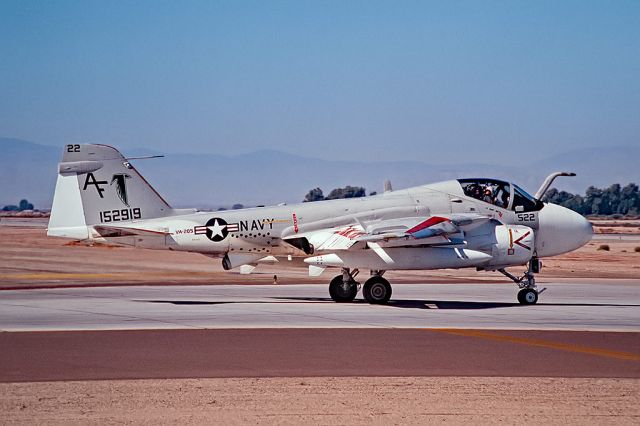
(120, 215)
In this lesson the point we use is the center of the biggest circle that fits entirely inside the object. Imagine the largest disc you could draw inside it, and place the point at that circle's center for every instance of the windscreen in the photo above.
(523, 201)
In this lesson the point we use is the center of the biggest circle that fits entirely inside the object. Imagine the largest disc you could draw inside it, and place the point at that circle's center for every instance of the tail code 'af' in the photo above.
(97, 184)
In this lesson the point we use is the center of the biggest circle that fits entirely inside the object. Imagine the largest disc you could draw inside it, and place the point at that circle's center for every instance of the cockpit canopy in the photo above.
(500, 193)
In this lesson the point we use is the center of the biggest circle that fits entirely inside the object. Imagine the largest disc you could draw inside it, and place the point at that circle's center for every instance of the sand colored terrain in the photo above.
(591, 261)
(30, 259)
(616, 226)
(331, 401)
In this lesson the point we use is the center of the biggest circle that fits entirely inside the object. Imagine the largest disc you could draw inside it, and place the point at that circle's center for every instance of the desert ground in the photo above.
(325, 400)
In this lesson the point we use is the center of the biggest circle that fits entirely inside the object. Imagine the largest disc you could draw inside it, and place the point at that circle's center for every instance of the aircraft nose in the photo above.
(561, 230)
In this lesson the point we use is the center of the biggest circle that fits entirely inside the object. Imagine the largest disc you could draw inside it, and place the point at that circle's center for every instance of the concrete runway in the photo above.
(593, 307)
(296, 330)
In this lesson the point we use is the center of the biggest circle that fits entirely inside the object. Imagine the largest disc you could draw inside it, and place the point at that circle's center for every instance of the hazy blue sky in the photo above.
(436, 81)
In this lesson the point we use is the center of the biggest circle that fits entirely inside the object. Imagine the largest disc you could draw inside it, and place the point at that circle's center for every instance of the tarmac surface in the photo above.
(614, 306)
(296, 330)
(149, 354)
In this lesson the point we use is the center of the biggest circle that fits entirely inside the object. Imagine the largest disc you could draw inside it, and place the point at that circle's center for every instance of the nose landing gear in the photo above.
(528, 294)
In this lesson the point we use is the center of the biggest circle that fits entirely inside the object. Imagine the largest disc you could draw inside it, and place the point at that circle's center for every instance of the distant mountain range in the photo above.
(28, 171)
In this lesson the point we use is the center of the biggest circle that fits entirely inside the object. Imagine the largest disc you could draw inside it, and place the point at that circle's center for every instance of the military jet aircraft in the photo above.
(487, 224)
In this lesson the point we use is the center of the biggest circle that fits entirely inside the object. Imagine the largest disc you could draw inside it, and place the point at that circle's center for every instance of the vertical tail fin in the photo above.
(96, 184)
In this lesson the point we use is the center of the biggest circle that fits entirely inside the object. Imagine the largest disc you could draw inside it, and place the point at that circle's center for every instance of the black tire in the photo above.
(528, 296)
(342, 292)
(377, 290)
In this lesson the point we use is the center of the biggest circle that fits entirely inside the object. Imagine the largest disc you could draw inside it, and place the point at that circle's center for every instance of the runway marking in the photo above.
(541, 343)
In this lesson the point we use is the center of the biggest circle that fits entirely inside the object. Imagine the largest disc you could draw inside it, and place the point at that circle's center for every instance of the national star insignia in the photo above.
(216, 229)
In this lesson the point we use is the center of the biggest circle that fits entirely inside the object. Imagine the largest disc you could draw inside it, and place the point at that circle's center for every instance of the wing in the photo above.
(445, 230)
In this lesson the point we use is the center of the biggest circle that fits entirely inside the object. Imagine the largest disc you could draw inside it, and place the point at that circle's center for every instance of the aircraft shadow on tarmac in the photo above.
(402, 303)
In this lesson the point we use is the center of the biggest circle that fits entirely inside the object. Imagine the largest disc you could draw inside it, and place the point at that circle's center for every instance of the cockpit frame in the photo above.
(499, 193)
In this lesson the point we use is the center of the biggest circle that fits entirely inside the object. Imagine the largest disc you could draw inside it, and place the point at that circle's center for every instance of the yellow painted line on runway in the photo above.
(541, 343)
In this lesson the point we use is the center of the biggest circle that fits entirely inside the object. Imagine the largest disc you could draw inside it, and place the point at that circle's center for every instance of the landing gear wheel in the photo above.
(528, 296)
(341, 291)
(377, 290)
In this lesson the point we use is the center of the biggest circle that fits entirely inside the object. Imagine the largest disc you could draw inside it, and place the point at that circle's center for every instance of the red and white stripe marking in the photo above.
(427, 224)
(350, 232)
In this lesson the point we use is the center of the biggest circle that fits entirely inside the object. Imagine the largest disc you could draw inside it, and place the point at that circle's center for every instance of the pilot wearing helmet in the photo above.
(487, 195)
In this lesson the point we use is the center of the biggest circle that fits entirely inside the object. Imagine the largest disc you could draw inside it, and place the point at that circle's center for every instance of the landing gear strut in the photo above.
(528, 294)
(343, 288)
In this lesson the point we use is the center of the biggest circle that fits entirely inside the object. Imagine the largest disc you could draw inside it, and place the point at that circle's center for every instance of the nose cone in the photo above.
(561, 230)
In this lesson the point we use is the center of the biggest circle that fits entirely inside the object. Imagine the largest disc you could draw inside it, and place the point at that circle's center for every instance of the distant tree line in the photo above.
(236, 206)
(348, 191)
(607, 201)
(614, 200)
(22, 206)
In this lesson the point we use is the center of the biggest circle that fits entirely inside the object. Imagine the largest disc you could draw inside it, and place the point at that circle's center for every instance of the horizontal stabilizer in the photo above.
(121, 231)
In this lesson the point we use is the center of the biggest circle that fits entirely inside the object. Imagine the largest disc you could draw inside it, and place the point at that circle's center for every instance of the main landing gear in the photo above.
(344, 288)
(528, 294)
